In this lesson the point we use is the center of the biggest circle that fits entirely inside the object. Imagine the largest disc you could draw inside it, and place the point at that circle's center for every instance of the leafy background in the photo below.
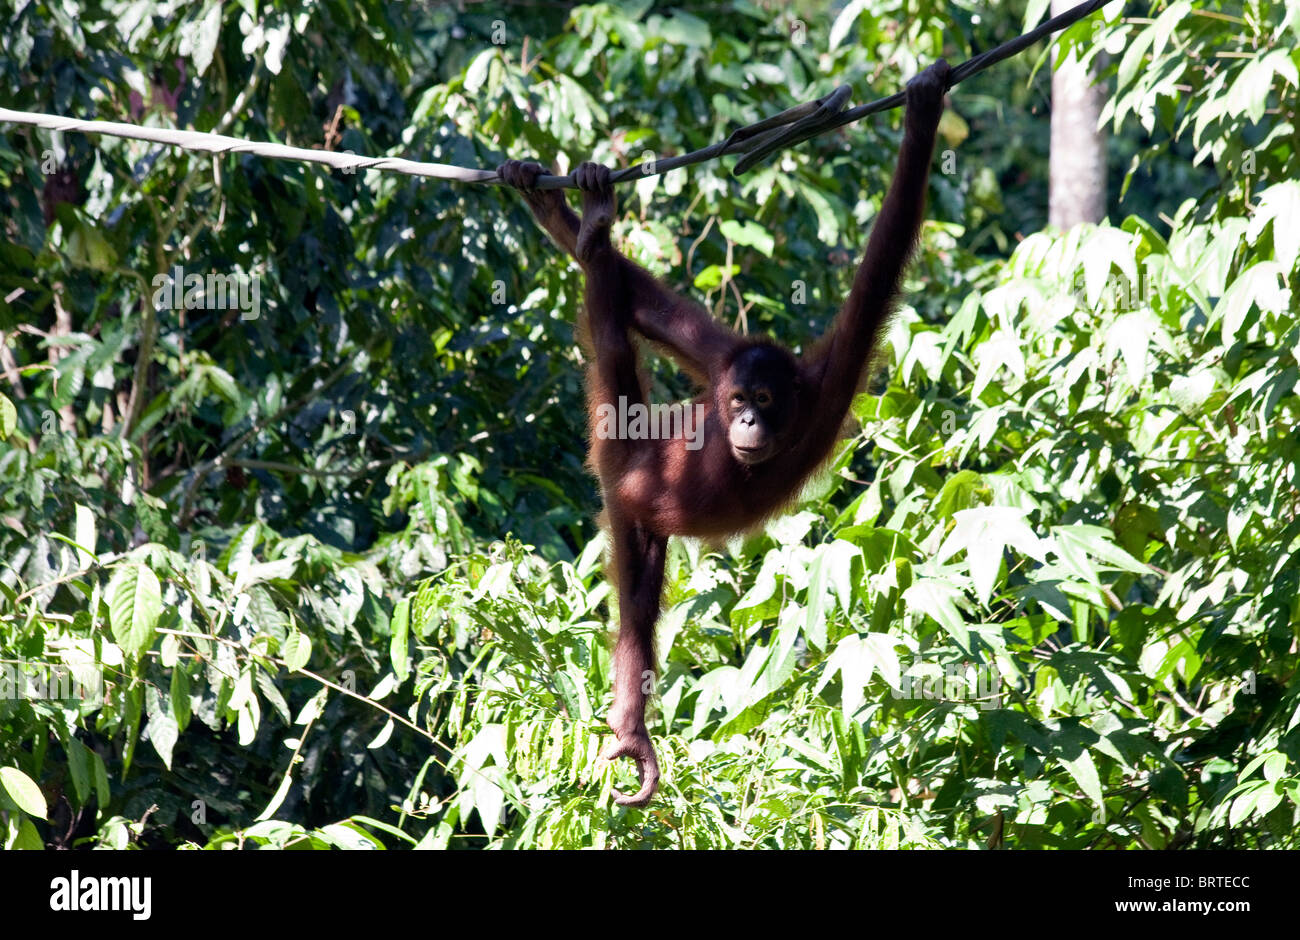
(336, 568)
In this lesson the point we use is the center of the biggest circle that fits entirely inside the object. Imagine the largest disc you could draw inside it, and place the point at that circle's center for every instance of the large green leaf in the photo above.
(134, 604)
(24, 792)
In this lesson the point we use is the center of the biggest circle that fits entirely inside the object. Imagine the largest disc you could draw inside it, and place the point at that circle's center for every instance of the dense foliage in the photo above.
(324, 570)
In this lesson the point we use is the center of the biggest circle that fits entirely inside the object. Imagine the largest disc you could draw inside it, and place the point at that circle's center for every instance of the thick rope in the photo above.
(755, 141)
(218, 143)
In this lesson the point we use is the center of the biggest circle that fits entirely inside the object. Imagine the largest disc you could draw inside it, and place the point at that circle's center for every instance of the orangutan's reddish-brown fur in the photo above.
(771, 419)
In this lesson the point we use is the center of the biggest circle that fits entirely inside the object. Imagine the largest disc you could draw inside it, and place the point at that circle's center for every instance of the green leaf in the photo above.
(286, 783)
(1249, 93)
(238, 555)
(347, 835)
(1279, 204)
(103, 793)
(1190, 392)
(397, 647)
(477, 72)
(1034, 12)
(712, 276)
(760, 595)
(88, 247)
(79, 767)
(841, 556)
(963, 490)
(180, 696)
(681, 29)
(1105, 248)
(814, 628)
(1084, 772)
(1003, 348)
(1073, 543)
(296, 650)
(1130, 335)
(169, 651)
(134, 604)
(937, 598)
(8, 418)
(23, 791)
(162, 726)
(1135, 57)
(856, 658)
(84, 535)
(1268, 799)
(1274, 767)
(28, 839)
(983, 534)
(1257, 287)
(205, 39)
(750, 234)
(1134, 525)
(844, 22)
(1244, 805)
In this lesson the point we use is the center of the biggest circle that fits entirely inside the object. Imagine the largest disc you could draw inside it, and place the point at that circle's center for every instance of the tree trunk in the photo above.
(1077, 176)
